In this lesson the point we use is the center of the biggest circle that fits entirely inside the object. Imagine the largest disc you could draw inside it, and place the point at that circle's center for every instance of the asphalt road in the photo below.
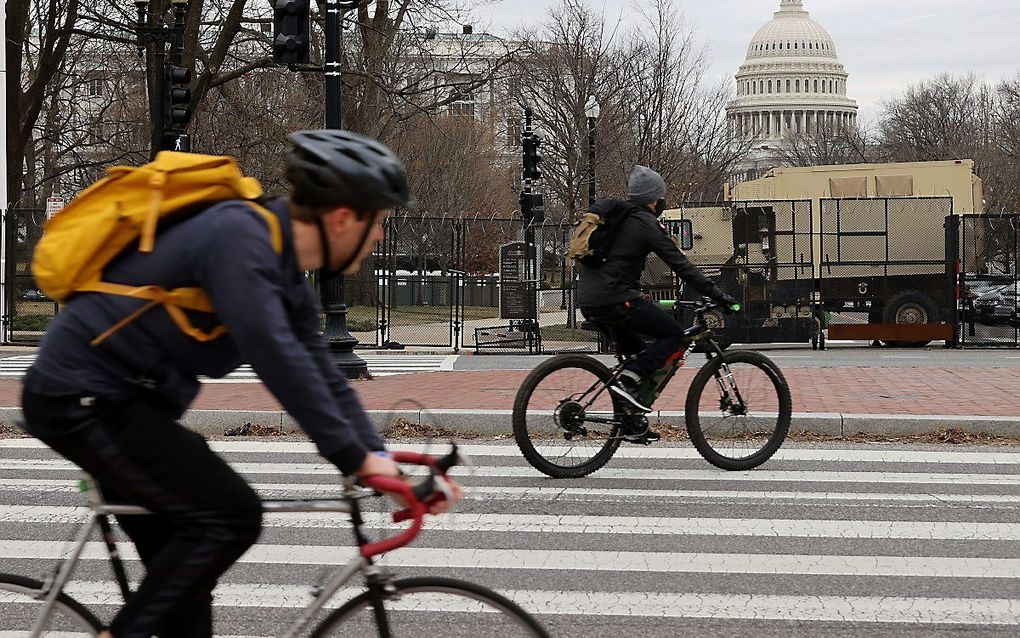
(850, 541)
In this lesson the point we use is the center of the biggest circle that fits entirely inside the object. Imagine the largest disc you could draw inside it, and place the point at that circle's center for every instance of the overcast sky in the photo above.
(884, 44)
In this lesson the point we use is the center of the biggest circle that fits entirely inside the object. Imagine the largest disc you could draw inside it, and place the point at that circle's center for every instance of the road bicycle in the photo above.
(387, 607)
(568, 424)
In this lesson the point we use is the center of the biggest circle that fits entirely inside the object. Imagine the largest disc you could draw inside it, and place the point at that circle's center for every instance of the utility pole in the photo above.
(290, 47)
(532, 203)
(169, 102)
(331, 289)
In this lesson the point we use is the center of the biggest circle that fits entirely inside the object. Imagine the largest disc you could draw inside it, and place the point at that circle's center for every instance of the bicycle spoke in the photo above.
(568, 424)
(741, 411)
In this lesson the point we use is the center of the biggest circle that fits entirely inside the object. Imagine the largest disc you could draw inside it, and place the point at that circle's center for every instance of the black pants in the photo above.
(630, 320)
(205, 514)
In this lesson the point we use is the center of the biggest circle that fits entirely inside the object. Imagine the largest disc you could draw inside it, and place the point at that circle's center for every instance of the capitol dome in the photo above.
(792, 81)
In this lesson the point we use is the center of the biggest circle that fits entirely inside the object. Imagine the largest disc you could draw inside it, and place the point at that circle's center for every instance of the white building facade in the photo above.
(792, 81)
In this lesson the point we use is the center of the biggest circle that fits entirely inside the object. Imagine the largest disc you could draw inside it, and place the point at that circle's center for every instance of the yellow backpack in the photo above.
(126, 207)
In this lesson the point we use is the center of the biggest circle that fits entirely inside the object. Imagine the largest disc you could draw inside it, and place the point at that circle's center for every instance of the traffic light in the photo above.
(532, 207)
(176, 97)
(532, 157)
(290, 31)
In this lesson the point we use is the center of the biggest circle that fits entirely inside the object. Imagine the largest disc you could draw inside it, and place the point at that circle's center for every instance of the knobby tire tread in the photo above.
(706, 376)
(520, 421)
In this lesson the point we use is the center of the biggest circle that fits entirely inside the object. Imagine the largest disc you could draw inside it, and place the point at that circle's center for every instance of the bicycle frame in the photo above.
(700, 331)
(99, 512)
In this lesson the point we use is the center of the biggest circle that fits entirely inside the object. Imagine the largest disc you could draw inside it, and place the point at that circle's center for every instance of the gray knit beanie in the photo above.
(645, 185)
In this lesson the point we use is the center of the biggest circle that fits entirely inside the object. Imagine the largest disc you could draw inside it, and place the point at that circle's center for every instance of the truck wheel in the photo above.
(911, 306)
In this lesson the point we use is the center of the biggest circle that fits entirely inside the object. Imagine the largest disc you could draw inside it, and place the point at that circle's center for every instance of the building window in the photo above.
(795, 45)
(94, 87)
(761, 86)
(464, 106)
(816, 86)
(832, 89)
(788, 86)
(798, 86)
(780, 46)
(770, 86)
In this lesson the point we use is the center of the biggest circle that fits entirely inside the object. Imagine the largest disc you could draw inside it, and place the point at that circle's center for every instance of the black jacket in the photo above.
(618, 279)
(263, 299)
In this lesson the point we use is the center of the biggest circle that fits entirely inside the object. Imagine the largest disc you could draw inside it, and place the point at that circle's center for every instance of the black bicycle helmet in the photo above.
(338, 168)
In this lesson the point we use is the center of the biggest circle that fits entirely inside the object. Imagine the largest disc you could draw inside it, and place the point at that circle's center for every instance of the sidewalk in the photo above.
(830, 401)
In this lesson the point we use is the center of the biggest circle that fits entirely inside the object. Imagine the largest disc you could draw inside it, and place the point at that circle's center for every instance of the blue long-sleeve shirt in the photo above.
(262, 298)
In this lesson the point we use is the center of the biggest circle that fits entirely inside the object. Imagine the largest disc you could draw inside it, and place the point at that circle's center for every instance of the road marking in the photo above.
(756, 476)
(380, 365)
(547, 524)
(842, 609)
(531, 493)
(835, 455)
(581, 560)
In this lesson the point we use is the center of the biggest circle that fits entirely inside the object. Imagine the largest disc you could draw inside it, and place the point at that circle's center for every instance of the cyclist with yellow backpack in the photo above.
(178, 269)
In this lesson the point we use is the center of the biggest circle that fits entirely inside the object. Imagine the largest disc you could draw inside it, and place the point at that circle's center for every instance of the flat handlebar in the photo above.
(699, 307)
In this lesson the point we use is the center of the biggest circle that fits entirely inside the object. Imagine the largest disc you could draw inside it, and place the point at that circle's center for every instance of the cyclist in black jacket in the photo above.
(611, 293)
(113, 408)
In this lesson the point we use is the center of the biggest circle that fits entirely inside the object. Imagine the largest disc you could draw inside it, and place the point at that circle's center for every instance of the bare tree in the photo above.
(38, 34)
(830, 144)
(675, 115)
(946, 117)
(572, 57)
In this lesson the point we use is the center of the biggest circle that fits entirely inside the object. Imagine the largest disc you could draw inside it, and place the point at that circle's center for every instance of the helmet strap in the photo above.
(324, 242)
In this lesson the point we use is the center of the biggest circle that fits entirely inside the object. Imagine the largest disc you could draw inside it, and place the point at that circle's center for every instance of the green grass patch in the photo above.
(33, 323)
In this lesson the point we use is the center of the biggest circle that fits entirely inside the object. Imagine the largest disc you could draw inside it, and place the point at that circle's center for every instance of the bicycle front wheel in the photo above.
(738, 410)
(21, 601)
(565, 419)
(431, 606)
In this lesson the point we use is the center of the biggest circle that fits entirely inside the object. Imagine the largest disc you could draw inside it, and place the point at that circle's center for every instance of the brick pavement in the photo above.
(893, 391)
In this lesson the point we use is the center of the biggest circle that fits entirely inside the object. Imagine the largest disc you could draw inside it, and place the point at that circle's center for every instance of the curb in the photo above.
(495, 422)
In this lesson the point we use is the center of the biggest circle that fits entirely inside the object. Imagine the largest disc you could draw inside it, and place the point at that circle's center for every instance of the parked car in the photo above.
(34, 295)
(1007, 307)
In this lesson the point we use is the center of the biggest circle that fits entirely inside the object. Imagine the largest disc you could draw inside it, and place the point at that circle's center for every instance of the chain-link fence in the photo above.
(884, 272)
(989, 280)
(27, 311)
(761, 253)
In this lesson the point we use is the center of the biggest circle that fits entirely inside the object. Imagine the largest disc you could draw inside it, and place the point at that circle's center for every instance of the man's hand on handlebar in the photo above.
(381, 465)
(728, 304)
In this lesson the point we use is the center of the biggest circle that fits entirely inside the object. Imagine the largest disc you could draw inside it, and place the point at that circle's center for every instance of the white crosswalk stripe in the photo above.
(887, 541)
(379, 365)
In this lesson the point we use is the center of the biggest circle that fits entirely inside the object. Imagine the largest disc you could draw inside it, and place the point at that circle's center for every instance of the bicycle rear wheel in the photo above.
(738, 421)
(564, 417)
(21, 602)
(431, 606)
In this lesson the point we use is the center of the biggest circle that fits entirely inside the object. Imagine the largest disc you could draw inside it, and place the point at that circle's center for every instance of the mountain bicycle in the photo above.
(568, 424)
(386, 606)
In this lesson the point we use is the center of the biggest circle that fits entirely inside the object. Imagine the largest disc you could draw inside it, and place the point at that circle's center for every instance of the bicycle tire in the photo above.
(69, 612)
(435, 585)
(704, 377)
(520, 418)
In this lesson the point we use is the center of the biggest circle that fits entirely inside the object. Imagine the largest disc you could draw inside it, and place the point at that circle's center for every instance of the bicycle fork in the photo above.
(724, 377)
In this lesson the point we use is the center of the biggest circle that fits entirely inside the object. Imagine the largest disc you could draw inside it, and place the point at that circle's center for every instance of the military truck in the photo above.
(859, 249)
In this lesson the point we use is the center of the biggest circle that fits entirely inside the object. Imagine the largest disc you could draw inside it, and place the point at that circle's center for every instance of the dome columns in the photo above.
(775, 124)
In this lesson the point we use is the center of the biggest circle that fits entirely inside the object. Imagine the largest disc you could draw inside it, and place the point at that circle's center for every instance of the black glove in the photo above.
(729, 304)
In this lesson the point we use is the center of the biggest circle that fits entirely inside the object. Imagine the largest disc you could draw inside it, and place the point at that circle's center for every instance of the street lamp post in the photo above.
(591, 111)
(331, 285)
